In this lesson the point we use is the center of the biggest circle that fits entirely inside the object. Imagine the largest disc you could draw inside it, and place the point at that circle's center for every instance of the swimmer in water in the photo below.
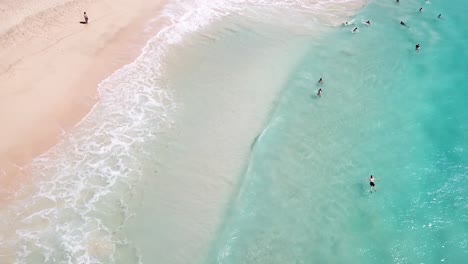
(418, 47)
(439, 16)
(403, 24)
(319, 92)
(398, 1)
(367, 22)
(355, 30)
(372, 183)
(420, 10)
(320, 81)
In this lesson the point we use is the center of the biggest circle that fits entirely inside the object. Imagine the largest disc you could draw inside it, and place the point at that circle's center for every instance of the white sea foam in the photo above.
(78, 204)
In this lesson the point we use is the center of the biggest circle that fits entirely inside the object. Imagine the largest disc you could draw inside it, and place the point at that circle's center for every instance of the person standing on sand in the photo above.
(372, 183)
(85, 18)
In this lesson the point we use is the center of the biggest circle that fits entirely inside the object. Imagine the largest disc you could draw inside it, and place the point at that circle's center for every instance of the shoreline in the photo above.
(191, 224)
(38, 108)
(202, 159)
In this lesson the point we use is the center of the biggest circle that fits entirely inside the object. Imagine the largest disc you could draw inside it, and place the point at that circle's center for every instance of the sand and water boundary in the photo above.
(51, 66)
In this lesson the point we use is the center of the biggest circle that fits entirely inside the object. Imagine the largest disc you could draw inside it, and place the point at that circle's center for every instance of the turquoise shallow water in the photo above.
(386, 110)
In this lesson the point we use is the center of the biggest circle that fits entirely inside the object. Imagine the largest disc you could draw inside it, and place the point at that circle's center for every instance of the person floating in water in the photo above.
(439, 16)
(398, 1)
(319, 92)
(418, 47)
(367, 22)
(420, 10)
(355, 30)
(320, 81)
(372, 183)
(403, 24)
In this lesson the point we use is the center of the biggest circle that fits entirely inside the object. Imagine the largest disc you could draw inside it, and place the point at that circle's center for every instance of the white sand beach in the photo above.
(50, 66)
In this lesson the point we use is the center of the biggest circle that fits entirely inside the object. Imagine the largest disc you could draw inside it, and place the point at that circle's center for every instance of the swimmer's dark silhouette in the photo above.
(319, 93)
(372, 183)
(418, 47)
(403, 24)
(320, 81)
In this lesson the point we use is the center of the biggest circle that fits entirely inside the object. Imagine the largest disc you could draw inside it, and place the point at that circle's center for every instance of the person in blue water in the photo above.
(372, 183)
(319, 92)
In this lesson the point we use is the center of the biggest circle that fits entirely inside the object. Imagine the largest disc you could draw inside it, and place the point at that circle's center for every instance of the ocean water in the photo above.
(385, 110)
(83, 195)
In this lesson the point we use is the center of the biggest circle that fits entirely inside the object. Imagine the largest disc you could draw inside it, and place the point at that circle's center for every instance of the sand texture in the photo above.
(50, 66)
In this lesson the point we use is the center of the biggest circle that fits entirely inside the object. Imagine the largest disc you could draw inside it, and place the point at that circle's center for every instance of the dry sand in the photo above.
(50, 66)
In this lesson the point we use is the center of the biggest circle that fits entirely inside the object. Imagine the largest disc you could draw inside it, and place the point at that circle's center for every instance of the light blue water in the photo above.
(386, 110)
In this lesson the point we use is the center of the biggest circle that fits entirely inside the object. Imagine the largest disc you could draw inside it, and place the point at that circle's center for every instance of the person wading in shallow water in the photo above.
(372, 183)
(403, 24)
(319, 92)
